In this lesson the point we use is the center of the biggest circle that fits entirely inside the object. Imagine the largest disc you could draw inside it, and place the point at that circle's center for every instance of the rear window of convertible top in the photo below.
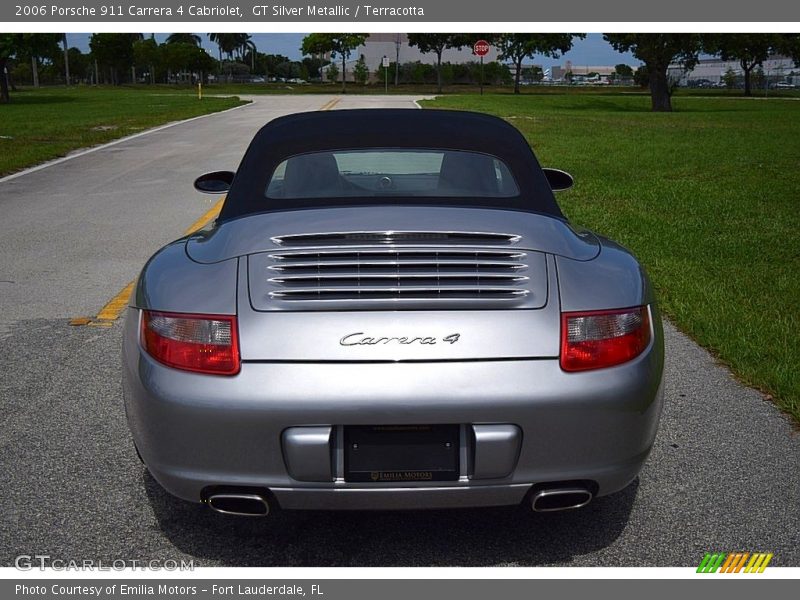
(391, 172)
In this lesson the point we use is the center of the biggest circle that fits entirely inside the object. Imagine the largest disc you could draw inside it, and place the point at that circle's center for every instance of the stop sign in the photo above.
(481, 48)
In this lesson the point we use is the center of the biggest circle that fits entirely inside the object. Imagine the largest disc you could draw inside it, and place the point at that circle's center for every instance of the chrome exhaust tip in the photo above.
(567, 498)
(247, 505)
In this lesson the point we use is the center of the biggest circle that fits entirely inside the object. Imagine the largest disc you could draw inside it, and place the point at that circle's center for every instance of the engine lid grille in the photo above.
(353, 278)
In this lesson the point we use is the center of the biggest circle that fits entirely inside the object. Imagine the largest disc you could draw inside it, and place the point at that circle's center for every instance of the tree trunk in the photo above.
(659, 90)
(439, 71)
(747, 70)
(344, 74)
(4, 97)
(66, 61)
(35, 71)
(517, 75)
(397, 61)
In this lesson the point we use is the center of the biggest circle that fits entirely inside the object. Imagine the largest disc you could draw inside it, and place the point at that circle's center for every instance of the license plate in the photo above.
(401, 453)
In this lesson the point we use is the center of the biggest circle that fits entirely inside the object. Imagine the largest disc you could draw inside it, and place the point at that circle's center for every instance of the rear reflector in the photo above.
(200, 343)
(598, 339)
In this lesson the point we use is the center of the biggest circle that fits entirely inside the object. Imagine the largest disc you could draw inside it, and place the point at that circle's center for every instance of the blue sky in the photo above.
(594, 50)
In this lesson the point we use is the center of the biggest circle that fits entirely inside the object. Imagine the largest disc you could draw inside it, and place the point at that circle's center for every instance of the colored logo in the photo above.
(734, 562)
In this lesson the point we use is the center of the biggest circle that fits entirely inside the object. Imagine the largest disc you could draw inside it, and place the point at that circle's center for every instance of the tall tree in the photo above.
(184, 38)
(147, 56)
(248, 46)
(337, 44)
(749, 49)
(9, 43)
(516, 47)
(66, 59)
(227, 43)
(182, 58)
(438, 43)
(37, 46)
(623, 70)
(790, 46)
(658, 51)
(114, 51)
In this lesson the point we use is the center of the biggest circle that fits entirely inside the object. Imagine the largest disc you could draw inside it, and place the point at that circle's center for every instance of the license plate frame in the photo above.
(401, 453)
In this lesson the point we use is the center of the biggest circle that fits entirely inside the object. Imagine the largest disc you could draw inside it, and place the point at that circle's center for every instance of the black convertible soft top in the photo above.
(387, 128)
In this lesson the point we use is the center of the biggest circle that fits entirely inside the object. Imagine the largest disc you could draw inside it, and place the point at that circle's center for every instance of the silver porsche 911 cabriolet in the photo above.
(392, 312)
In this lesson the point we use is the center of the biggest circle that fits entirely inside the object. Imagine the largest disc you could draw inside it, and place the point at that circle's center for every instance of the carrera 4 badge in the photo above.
(359, 338)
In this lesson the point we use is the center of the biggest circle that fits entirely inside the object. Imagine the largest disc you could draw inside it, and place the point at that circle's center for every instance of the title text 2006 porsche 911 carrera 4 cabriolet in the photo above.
(391, 312)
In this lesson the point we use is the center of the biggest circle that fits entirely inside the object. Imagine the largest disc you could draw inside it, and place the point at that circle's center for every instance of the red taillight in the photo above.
(597, 339)
(201, 343)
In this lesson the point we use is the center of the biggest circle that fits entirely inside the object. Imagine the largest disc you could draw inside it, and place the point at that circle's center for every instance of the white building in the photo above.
(559, 72)
(714, 69)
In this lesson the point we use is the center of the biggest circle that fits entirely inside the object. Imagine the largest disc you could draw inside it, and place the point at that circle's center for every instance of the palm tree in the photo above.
(184, 38)
(228, 43)
(249, 44)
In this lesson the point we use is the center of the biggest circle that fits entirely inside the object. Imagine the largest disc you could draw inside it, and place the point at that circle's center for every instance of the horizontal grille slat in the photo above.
(425, 266)
(420, 293)
(336, 272)
(389, 278)
(395, 237)
(326, 254)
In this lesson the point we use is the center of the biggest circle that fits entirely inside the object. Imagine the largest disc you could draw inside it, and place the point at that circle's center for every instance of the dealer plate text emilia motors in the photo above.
(162, 589)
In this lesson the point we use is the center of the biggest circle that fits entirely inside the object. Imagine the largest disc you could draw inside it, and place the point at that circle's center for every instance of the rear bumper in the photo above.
(195, 431)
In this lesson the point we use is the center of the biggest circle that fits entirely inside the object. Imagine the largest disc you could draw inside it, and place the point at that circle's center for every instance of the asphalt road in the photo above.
(723, 475)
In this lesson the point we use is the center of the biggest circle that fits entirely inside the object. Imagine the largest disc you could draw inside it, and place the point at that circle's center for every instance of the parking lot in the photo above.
(722, 476)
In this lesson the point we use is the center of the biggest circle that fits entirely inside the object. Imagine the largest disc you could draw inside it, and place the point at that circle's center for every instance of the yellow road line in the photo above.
(210, 215)
(114, 307)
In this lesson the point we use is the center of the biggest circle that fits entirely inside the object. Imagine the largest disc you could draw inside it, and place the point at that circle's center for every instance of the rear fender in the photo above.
(172, 282)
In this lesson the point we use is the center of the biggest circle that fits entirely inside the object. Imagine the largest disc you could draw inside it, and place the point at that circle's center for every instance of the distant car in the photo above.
(257, 80)
(391, 311)
(784, 86)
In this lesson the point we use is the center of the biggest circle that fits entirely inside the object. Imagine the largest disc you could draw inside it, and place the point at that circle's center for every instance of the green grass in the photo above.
(416, 89)
(39, 125)
(708, 198)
